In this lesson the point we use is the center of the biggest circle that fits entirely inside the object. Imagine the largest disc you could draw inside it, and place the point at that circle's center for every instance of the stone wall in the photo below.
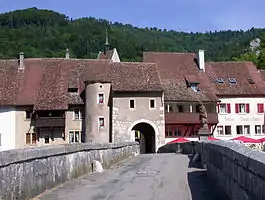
(237, 169)
(28, 172)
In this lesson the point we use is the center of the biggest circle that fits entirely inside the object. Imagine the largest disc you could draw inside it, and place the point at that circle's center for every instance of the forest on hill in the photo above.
(45, 33)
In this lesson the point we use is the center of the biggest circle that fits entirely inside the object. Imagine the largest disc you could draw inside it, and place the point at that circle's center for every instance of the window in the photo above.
(251, 81)
(168, 108)
(247, 129)
(232, 81)
(74, 136)
(100, 98)
(242, 108)
(152, 103)
(31, 138)
(195, 88)
(29, 113)
(101, 122)
(224, 108)
(77, 114)
(46, 139)
(180, 108)
(72, 90)
(220, 130)
(260, 107)
(239, 130)
(228, 130)
(220, 80)
(257, 129)
(172, 132)
(132, 104)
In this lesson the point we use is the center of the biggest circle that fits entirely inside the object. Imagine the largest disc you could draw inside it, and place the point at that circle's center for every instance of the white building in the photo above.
(241, 91)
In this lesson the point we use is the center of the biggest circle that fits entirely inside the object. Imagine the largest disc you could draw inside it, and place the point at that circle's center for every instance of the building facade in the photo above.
(240, 88)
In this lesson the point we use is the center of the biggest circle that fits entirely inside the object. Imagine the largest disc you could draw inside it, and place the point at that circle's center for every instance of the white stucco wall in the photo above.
(7, 128)
(233, 119)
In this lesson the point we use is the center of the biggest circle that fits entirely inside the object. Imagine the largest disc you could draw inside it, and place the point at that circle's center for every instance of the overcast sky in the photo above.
(181, 15)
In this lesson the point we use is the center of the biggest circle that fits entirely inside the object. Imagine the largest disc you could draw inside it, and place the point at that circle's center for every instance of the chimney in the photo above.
(67, 54)
(201, 61)
(21, 61)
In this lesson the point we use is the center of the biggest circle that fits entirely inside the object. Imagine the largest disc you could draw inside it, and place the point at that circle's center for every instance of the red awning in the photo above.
(246, 139)
(179, 140)
(212, 138)
(262, 139)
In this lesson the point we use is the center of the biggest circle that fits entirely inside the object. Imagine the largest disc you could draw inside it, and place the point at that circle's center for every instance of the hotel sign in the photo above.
(245, 119)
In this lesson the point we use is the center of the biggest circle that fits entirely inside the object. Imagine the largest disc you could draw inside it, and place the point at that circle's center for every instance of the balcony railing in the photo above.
(50, 122)
(189, 118)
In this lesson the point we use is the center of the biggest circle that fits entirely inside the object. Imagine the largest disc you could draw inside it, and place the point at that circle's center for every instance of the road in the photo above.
(146, 177)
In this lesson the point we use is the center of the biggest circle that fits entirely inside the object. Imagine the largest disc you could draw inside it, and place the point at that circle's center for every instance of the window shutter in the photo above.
(260, 108)
(247, 107)
(237, 108)
(228, 108)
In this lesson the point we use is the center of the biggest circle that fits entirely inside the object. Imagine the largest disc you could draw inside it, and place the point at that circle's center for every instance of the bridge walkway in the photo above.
(146, 177)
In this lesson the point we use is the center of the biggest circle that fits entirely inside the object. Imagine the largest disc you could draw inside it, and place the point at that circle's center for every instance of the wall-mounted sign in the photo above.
(245, 119)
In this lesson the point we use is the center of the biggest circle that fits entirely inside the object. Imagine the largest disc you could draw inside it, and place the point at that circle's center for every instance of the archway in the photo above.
(146, 137)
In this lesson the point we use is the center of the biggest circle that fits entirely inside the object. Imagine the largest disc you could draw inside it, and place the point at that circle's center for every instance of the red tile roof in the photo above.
(174, 69)
(241, 71)
(44, 82)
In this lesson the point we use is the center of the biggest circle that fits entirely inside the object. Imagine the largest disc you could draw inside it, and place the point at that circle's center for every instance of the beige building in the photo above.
(55, 101)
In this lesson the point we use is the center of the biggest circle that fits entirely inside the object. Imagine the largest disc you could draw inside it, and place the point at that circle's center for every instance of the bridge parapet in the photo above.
(236, 168)
(28, 172)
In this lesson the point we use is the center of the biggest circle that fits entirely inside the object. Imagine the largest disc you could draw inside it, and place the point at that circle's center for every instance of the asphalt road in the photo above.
(146, 177)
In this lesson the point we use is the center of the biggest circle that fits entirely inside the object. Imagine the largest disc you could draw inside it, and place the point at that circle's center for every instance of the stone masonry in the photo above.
(236, 168)
(28, 172)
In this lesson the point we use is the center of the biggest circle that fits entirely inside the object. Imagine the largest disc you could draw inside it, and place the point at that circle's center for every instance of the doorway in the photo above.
(146, 137)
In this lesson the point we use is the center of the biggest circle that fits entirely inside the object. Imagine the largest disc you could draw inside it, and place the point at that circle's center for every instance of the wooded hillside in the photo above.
(43, 33)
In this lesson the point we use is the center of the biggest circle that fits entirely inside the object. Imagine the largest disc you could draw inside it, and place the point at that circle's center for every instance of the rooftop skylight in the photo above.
(220, 80)
(232, 81)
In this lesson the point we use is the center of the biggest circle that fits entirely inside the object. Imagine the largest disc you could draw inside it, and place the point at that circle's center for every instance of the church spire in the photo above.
(107, 42)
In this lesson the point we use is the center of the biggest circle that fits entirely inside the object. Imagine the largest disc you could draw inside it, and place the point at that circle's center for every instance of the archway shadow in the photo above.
(147, 137)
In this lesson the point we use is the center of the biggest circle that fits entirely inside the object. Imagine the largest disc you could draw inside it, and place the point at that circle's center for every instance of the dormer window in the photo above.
(232, 81)
(251, 81)
(72, 88)
(195, 88)
(220, 80)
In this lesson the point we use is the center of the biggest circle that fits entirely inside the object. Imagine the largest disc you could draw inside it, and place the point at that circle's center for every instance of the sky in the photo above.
(179, 15)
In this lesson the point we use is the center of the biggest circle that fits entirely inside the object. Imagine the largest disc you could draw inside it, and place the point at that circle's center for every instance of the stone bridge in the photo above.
(198, 171)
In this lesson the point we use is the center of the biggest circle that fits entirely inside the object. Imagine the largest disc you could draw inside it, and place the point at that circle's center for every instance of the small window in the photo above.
(232, 81)
(220, 80)
(46, 139)
(71, 137)
(100, 98)
(195, 88)
(152, 103)
(72, 90)
(239, 130)
(77, 136)
(34, 138)
(247, 129)
(132, 104)
(29, 113)
(251, 81)
(101, 122)
(180, 108)
(28, 138)
(77, 114)
(228, 130)
(257, 129)
(220, 130)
